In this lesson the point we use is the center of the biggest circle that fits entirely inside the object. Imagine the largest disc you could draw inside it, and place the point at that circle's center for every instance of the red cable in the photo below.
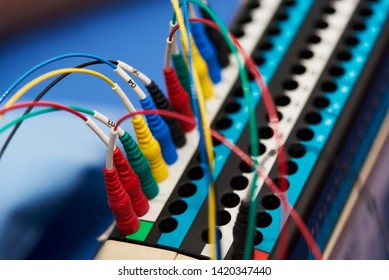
(43, 104)
(246, 158)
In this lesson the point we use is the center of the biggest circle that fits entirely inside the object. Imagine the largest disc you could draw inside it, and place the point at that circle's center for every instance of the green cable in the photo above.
(252, 121)
(40, 112)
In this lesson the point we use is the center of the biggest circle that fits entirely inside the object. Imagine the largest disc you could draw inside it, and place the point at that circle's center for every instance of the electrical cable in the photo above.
(91, 124)
(44, 63)
(206, 151)
(302, 227)
(48, 75)
(39, 97)
(95, 114)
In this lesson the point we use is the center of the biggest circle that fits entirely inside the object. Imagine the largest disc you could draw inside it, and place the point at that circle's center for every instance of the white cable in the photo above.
(110, 149)
(175, 47)
(168, 53)
(134, 86)
(123, 97)
(132, 70)
(97, 130)
(107, 121)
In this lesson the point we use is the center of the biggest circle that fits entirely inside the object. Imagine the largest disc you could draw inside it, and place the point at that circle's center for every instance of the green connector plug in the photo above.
(181, 70)
(140, 165)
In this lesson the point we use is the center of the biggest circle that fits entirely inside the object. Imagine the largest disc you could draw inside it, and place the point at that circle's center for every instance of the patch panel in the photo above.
(317, 65)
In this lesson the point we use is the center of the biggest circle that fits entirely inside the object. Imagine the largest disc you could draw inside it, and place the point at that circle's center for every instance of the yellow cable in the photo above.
(48, 75)
(207, 135)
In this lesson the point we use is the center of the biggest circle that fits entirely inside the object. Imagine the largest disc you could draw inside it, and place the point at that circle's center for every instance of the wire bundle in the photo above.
(131, 182)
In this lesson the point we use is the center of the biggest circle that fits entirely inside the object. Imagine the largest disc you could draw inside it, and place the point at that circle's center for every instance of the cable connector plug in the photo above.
(239, 232)
(178, 97)
(150, 149)
(130, 183)
(182, 70)
(202, 72)
(207, 51)
(160, 131)
(120, 203)
(140, 165)
(162, 103)
(219, 43)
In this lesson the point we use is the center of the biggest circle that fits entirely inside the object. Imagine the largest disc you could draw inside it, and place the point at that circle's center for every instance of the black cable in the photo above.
(39, 97)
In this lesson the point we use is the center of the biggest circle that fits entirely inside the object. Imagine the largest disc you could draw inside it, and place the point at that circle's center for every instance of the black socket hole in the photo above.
(329, 10)
(266, 46)
(215, 142)
(178, 207)
(282, 100)
(274, 31)
(239, 183)
(321, 102)
(290, 85)
(232, 107)
(282, 16)
(204, 235)
(245, 168)
(223, 217)
(245, 18)
(292, 167)
(253, 4)
(359, 26)
(196, 173)
(351, 41)
(282, 184)
(250, 75)
(261, 149)
(297, 150)
(265, 132)
(238, 32)
(271, 202)
(306, 54)
(313, 39)
(258, 59)
(290, 3)
(263, 219)
(187, 190)
(238, 91)
(258, 238)
(344, 55)
(329, 86)
(321, 24)
(230, 200)
(305, 134)
(223, 123)
(365, 12)
(279, 115)
(336, 71)
(168, 225)
(313, 118)
(298, 69)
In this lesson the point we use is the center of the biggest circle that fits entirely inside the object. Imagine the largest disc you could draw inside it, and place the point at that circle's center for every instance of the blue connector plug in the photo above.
(160, 131)
(207, 51)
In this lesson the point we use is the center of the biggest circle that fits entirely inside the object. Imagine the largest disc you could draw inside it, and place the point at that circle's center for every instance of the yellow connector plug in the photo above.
(202, 72)
(150, 149)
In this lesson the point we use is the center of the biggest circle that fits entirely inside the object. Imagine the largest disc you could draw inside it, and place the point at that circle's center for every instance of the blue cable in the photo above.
(196, 111)
(44, 63)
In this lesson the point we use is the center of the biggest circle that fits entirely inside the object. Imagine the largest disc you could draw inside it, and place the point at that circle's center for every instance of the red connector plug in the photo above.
(178, 97)
(131, 183)
(120, 203)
